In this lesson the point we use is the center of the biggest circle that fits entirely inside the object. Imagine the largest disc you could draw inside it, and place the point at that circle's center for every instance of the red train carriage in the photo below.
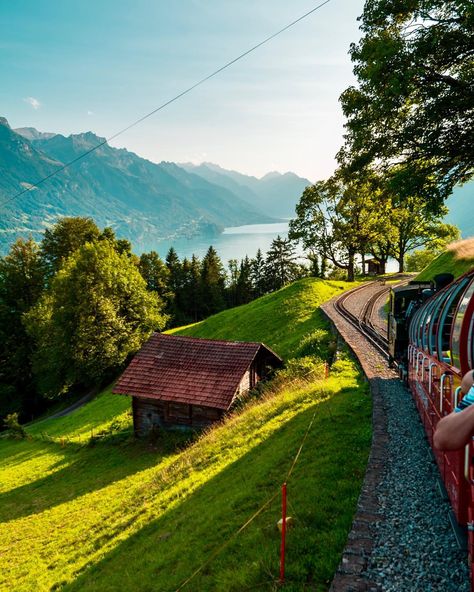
(440, 351)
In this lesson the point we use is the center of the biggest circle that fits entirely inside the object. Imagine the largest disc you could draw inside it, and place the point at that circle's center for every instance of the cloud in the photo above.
(90, 112)
(33, 102)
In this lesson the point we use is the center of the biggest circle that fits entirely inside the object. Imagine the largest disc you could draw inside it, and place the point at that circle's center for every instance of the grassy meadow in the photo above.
(83, 506)
(457, 259)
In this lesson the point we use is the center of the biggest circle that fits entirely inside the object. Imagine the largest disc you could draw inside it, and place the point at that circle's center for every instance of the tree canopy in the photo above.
(96, 312)
(337, 221)
(21, 285)
(414, 104)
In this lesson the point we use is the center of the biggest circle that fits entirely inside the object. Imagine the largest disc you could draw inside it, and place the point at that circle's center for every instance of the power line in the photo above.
(163, 105)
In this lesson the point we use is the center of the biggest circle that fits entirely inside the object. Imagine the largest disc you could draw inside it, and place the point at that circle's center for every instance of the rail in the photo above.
(363, 323)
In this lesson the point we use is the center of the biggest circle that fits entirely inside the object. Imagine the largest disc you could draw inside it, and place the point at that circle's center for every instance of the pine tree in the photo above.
(234, 272)
(174, 267)
(157, 277)
(212, 283)
(280, 265)
(244, 282)
(257, 274)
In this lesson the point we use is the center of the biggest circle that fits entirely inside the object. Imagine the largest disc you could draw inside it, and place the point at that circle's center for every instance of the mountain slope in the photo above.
(275, 193)
(141, 200)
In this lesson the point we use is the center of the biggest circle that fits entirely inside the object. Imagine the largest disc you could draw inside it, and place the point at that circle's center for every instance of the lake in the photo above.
(236, 242)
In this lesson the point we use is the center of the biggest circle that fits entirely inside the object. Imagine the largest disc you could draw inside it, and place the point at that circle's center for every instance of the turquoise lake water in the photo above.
(233, 243)
(236, 242)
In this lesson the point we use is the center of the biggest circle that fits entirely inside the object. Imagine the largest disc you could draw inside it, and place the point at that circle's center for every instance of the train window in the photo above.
(427, 320)
(413, 328)
(421, 324)
(470, 344)
(436, 313)
(446, 319)
(458, 322)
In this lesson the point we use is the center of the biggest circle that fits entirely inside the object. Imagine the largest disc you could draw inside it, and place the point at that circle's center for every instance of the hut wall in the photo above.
(150, 414)
(244, 385)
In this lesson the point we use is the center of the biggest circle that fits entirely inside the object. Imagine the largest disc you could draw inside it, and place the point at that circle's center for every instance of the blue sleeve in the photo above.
(466, 401)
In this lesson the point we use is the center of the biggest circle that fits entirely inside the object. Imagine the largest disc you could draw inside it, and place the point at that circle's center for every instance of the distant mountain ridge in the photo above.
(275, 192)
(143, 201)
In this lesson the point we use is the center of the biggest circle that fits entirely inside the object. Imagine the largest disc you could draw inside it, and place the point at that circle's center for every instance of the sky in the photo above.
(70, 67)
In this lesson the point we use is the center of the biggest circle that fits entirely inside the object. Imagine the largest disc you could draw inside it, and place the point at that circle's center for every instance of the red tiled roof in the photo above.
(189, 370)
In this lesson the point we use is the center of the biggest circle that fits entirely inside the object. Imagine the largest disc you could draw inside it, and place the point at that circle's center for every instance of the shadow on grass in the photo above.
(82, 470)
(323, 492)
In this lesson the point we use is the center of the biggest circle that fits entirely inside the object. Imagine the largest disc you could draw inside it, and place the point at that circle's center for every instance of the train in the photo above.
(431, 343)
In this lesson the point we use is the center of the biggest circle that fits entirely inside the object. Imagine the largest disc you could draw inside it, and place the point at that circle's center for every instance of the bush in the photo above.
(11, 422)
(420, 259)
(317, 343)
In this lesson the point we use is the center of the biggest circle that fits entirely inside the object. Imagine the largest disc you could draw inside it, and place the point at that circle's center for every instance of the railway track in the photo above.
(364, 322)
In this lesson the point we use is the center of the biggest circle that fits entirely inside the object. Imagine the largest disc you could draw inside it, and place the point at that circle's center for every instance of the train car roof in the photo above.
(411, 287)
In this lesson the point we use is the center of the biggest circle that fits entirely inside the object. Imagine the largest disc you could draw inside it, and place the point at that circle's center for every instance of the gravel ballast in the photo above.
(401, 540)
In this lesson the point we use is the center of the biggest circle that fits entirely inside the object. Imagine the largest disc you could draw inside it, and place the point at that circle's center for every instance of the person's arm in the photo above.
(455, 430)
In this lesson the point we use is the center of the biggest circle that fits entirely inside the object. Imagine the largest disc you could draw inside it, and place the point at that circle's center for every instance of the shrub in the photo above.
(12, 423)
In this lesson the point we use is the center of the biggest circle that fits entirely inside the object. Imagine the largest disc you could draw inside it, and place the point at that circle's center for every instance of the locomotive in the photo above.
(431, 341)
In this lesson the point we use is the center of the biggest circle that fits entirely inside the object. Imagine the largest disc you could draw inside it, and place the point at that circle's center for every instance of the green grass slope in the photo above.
(82, 513)
(280, 320)
(457, 259)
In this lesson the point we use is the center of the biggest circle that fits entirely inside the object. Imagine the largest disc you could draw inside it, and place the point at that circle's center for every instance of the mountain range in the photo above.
(143, 201)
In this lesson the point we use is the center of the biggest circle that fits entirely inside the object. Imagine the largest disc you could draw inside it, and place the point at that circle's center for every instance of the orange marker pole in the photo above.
(283, 533)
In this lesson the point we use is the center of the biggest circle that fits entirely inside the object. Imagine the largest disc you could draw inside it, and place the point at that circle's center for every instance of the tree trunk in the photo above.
(363, 263)
(383, 264)
(350, 267)
(401, 256)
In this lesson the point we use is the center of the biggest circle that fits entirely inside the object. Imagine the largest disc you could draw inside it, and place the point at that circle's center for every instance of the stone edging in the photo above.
(349, 576)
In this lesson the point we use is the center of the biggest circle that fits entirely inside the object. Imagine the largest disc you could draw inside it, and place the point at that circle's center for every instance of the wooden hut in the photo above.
(179, 381)
(375, 267)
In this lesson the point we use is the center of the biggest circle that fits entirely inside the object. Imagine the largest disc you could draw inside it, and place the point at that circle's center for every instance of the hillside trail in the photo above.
(73, 407)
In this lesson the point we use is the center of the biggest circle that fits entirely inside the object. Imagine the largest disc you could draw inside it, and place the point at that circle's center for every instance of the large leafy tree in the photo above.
(338, 221)
(415, 225)
(21, 284)
(66, 236)
(414, 104)
(96, 312)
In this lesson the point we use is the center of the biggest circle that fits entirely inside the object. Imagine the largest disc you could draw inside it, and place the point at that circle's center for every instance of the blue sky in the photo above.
(69, 66)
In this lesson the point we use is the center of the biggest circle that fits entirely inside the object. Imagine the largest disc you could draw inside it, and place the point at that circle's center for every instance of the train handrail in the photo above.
(441, 390)
(423, 367)
(456, 396)
(410, 352)
(466, 463)
(418, 361)
(430, 376)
